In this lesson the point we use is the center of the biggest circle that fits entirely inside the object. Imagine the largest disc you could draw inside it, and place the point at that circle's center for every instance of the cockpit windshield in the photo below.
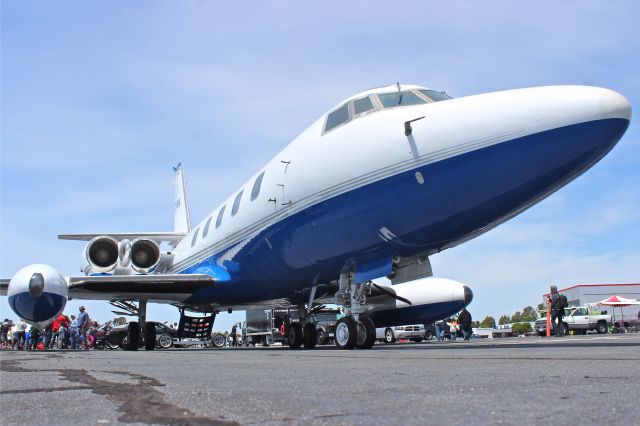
(435, 96)
(396, 99)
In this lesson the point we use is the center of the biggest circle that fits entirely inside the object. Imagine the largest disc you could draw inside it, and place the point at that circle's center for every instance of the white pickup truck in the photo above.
(579, 319)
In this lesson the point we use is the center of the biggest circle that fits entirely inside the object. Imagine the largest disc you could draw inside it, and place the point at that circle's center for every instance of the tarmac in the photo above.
(572, 380)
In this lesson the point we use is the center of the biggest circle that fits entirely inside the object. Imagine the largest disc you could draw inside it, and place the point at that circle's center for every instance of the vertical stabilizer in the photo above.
(181, 220)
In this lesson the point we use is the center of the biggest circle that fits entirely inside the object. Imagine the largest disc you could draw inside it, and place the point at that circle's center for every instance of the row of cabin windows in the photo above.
(255, 191)
(358, 107)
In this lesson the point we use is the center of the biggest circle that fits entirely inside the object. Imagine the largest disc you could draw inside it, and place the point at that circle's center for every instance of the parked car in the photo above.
(415, 333)
(579, 319)
(164, 336)
(326, 325)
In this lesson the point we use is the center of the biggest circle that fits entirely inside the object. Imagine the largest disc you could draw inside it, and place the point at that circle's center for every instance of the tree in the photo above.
(504, 320)
(521, 328)
(517, 317)
(488, 322)
(541, 306)
(528, 314)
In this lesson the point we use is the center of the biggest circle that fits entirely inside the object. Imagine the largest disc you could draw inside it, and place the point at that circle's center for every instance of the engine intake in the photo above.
(145, 255)
(37, 294)
(102, 254)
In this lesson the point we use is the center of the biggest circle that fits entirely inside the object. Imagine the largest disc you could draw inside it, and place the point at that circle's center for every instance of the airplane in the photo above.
(382, 181)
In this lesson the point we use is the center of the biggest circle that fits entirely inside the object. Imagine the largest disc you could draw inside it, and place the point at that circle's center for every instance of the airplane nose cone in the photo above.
(609, 103)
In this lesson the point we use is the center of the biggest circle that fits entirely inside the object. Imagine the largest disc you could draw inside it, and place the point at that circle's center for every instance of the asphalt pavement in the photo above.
(578, 379)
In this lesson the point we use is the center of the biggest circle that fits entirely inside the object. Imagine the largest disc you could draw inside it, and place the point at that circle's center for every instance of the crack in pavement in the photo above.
(138, 403)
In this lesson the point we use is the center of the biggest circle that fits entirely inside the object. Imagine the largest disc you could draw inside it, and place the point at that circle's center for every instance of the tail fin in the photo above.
(181, 219)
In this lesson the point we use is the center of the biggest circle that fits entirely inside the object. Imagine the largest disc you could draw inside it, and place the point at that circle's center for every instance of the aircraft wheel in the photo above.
(149, 336)
(295, 335)
(389, 337)
(346, 333)
(310, 336)
(366, 334)
(133, 337)
(165, 341)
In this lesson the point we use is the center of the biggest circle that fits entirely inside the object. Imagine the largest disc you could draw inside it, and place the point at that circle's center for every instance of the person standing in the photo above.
(20, 334)
(74, 333)
(557, 311)
(453, 329)
(464, 319)
(440, 329)
(4, 331)
(234, 335)
(83, 322)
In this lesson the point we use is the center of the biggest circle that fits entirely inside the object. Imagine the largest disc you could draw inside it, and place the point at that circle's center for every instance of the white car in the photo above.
(410, 332)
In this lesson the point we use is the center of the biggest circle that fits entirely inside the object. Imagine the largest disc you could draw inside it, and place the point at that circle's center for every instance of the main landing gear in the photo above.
(302, 336)
(355, 329)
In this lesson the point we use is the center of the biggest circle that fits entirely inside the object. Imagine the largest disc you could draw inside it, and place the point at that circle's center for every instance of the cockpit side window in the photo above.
(435, 96)
(337, 117)
(362, 106)
(205, 231)
(195, 237)
(396, 99)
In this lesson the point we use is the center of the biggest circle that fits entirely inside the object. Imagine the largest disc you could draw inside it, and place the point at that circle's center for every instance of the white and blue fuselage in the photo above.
(365, 191)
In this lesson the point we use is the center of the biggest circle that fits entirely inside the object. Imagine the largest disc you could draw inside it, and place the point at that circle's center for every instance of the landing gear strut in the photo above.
(355, 329)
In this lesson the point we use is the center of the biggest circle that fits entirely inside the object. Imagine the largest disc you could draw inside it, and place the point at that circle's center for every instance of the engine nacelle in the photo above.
(37, 294)
(145, 255)
(101, 255)
(431, 299)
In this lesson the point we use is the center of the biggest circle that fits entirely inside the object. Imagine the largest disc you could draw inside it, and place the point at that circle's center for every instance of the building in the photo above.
(583, 294)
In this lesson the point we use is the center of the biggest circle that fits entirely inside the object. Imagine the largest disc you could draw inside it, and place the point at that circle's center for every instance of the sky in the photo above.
(98, 102)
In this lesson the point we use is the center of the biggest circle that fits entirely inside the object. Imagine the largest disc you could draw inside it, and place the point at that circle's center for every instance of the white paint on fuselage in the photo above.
(374, 146)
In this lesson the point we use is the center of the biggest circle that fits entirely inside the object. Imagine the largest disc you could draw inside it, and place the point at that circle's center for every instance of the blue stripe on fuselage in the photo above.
(461, 197)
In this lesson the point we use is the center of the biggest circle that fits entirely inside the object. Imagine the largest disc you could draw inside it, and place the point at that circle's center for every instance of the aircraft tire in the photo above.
(310, 336)
(346, 333)
(149, 336)
(366, 334)
(133, 337)
(295, 335)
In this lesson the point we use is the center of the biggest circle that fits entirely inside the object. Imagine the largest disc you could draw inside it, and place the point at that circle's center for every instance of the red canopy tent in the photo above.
(618, 302)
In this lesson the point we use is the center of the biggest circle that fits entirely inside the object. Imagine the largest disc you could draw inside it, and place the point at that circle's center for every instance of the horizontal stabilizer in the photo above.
(157, 236)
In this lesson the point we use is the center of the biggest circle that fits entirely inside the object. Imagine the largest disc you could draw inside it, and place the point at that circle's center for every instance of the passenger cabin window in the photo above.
(220, 214)
(435, 96)
(396, 99)
(195, 237)
(362, 106)
(205, 231)
(337, 117)
(256, 187)
(236, 203)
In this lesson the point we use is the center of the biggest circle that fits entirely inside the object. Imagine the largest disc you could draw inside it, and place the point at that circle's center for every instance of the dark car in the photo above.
(117, 336)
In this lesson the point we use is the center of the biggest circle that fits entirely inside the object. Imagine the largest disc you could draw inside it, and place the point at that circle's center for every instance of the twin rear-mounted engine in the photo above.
(106, 255)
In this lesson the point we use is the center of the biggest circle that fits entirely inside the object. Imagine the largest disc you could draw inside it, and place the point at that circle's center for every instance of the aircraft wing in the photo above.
(158, 236)
(154, 288)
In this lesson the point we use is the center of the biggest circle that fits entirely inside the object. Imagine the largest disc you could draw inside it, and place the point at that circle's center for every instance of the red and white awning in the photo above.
(618, 301)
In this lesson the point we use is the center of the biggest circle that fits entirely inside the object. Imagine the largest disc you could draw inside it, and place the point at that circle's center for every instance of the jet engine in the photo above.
(145, 255)
(37, 294)
(101, 255)
(431, 299)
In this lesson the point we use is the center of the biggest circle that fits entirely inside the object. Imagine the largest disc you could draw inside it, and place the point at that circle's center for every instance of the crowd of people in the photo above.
(74, 332)
(449, 327)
